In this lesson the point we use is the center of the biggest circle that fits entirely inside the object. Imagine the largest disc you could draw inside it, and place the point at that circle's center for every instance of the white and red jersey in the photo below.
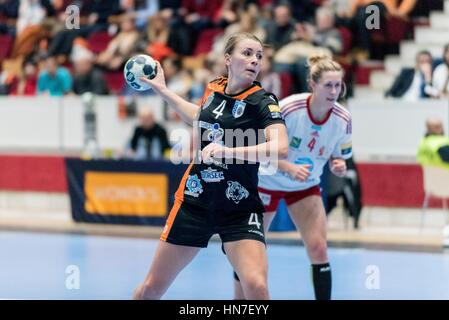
(310, 142)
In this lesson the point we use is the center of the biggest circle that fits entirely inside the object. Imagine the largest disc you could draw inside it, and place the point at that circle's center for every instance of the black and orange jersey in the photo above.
(235, 121)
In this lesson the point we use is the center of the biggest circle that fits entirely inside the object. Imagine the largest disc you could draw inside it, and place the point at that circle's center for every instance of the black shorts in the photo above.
(191, 225)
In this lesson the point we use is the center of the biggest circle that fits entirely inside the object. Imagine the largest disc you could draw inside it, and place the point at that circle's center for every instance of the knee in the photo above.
(318, 251)
(149, 291)
(257, 287)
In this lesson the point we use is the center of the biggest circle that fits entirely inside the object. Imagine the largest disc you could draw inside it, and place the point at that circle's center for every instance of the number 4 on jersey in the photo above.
(253, 220)
(218, 111)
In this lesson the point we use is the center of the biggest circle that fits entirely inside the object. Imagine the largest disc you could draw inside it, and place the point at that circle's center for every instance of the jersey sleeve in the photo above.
(343, 149)
(269, 111)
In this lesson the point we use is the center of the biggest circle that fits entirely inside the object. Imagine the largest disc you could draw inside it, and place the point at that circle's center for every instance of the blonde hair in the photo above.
(320, 63)
(236, 38)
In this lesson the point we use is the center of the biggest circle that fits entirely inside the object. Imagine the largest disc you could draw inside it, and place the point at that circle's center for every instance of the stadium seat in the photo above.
(436, 184)
(6, 45)
(99, 41)
(286, 84)
(115, 81)
(205, 41)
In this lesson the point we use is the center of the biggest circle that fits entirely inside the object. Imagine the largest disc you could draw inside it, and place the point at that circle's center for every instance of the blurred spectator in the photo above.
(9, 10)
(434, 147)
(87, 78)
(29, 29)
(440, 78)
(178, 80)
(53, 79)
(411, 82)
(269, 79)
(149, 140)
(323, 38)
(26, 83)
(158, 31)
(281, 30)
(121, 47)
(140, 10)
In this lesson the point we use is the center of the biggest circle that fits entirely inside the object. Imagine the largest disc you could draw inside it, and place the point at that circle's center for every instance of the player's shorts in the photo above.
(270, 198)
(191, 225)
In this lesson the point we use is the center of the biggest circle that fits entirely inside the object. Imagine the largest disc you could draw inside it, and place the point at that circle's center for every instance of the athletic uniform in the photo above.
(310, 142)
(221, 197)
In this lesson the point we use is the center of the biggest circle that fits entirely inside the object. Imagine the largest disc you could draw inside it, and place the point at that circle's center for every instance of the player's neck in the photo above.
(234, 87)
(319, 109)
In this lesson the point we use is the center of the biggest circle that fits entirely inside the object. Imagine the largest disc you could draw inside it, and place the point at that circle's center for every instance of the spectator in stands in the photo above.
(322, 38)
(141, 11)
(281, 30)
(269, 79)
(158, 31)
(26, 83)
(29, 29)
(178, 80)
(440, 79)
(410, 84)
(149, 140)
(87, 78)
(434, 147)
(9, 10)
(53, 79)
(121, 47)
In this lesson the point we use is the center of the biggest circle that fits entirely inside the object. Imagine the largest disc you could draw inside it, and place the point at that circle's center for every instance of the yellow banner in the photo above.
(128, 194)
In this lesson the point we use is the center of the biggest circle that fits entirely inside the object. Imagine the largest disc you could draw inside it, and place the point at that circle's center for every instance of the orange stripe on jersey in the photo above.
(179, 198)
(218, 85)
(247, 93)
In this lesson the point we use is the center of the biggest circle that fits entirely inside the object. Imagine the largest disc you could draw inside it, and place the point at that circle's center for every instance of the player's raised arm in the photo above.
(188, 111)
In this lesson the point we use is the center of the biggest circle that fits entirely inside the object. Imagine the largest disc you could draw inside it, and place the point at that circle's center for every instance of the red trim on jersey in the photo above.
(293, 104)
(292, 110)
(320, 123)
(340, 115)
(343, 110)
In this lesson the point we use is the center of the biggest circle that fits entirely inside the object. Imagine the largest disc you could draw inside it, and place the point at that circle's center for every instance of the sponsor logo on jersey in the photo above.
(321, 151)
(305, 161)
(256, 232)
(295, 142)
(346, 148)
(316, 127)
(238, 109)
(266, 198)
(276, 115)
(194, 185)
(236, 192)
(212, 175)
(315, 134)
(274, 108)
(208, 101)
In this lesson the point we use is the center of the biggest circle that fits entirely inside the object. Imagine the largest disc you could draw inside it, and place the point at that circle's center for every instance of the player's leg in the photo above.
(168, 261)
(309, 216)
(238, 290)
(249, 259)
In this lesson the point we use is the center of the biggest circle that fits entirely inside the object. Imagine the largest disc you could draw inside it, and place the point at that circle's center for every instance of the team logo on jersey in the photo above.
(208, 101)
(238, 109)
(194, 185)
(266, 198)
(212, 175)
(236, 192)
(295, 142)
(346, 148)
(214, 132)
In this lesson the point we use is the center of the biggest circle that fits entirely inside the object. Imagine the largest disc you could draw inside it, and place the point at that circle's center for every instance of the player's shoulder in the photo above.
(341, 113)
(218, 84)
(294, 103)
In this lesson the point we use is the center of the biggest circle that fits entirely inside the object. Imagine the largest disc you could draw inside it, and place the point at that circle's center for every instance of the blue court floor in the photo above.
(39, 266)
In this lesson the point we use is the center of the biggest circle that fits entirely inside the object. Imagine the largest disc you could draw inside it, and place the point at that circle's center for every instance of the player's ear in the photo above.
(227, 57)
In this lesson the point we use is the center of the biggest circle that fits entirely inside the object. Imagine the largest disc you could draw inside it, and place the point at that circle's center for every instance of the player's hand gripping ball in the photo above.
(140, 66)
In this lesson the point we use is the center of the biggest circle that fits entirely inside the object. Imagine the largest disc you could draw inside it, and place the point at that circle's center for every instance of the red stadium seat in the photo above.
(347, 40)
(206, 40)
(6, 45)
(286, 84)
(115, 81)
(99, 41)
